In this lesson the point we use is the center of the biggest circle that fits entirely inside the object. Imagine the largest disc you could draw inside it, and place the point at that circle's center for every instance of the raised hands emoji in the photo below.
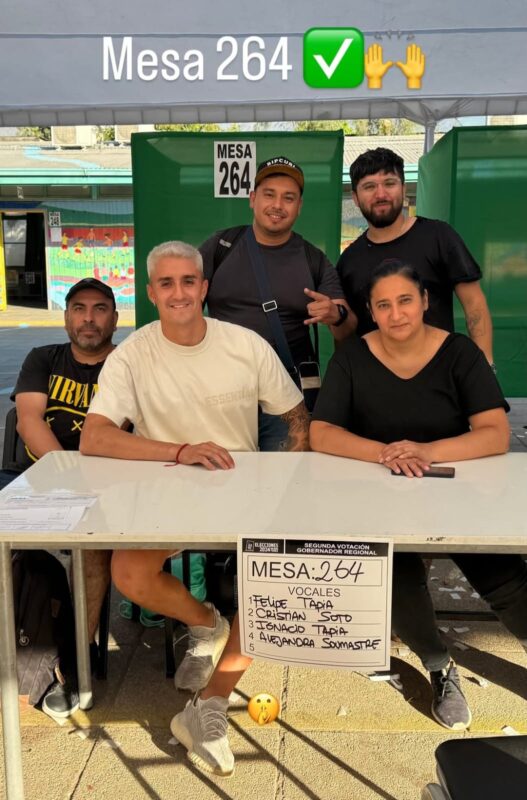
(414, 68)
(374, 66)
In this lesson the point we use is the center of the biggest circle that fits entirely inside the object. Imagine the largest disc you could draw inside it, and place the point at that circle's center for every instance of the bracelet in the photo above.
(182, 447)
(493, 368)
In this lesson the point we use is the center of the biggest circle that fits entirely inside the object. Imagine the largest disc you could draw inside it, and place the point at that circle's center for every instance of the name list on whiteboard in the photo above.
(316, 603)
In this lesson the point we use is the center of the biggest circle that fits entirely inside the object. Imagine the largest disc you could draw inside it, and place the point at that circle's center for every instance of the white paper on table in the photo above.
(36, 520)
(49, 500)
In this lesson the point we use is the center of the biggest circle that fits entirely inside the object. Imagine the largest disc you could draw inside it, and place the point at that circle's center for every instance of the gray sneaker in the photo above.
(61, 700)
(449, 706)
(202, 728)
(203, 653)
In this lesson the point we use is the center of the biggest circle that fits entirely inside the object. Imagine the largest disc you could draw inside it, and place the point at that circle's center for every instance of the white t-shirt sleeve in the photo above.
(277, 392)
(116, 398)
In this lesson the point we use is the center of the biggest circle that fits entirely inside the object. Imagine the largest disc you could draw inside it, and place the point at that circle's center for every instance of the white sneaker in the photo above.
(202, 728)
(203, 653)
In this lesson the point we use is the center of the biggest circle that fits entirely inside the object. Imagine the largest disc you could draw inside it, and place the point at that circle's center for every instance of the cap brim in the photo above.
(106, 292)
(280, 169)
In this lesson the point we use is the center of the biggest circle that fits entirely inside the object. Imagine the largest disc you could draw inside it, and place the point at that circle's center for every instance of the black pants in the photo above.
(501, 580)
(6, 476)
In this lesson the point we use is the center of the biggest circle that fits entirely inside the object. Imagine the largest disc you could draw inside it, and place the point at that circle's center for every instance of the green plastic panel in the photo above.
(475, 179)
(173, 180)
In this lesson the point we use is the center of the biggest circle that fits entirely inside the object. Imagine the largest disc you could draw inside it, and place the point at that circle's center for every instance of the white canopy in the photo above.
(65, 62)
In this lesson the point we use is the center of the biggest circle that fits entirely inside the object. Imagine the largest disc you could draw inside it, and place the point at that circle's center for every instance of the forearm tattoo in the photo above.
(297, 421)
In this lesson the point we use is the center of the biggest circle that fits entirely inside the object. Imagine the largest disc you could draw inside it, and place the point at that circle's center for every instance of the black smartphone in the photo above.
(435, 472)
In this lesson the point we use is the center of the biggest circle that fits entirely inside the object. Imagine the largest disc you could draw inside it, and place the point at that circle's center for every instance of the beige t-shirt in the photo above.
(208, 392)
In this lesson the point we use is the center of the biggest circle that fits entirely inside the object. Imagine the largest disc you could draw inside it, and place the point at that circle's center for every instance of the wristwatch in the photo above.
(343, 315)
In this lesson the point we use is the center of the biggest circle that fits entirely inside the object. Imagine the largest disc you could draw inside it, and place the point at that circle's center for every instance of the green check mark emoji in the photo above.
(333, 58)
(329, 69)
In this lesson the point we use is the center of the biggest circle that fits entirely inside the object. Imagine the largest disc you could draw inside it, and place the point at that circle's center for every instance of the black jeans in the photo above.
(272, 432)
(501, 580)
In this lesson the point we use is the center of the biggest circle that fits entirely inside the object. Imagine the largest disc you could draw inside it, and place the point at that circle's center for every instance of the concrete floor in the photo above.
(339, 734)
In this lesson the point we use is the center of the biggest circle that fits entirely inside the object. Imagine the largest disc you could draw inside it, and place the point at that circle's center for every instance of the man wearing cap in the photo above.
(52, 394)
(303, 282)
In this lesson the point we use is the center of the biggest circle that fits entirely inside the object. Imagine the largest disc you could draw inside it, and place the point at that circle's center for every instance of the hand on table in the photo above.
(410, 458)
(208, 454)
(411, 467)
(321, 309)
(406, 449)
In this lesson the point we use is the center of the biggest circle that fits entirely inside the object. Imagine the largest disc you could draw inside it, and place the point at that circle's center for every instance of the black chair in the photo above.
(9, 462)
(10, 442)
(480, 769)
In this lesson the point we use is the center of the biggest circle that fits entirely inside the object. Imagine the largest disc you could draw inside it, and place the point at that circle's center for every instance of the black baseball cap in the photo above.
(279, 166)
(91, 283)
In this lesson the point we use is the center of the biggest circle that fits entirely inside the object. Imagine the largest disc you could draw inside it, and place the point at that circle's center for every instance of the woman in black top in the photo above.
(407, 395)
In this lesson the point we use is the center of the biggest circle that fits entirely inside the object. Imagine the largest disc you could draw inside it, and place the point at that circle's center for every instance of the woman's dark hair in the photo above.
(393, 266)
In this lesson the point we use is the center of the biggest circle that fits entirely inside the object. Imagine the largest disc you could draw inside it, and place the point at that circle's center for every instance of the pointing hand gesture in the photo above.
(414, 69)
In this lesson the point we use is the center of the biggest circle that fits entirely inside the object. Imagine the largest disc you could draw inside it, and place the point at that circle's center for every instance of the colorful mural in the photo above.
(105, 252)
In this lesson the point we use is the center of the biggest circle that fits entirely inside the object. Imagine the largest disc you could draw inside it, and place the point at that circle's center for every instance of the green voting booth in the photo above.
(475, 179)
(189, 185)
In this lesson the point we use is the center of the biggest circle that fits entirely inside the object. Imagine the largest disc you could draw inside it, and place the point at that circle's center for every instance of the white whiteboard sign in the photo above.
(316, 603)
(234, 168)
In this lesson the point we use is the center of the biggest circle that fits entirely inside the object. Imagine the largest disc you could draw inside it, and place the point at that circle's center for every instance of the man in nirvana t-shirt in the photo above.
(52, 394)
(433, 247)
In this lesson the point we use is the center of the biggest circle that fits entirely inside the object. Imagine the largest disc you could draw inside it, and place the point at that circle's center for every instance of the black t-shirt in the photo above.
(234, 296)
(69, 385)
(435, 250)
(363, 396)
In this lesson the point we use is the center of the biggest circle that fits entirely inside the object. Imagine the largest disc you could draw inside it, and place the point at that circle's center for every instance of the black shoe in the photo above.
(62, 699)
(449, 706)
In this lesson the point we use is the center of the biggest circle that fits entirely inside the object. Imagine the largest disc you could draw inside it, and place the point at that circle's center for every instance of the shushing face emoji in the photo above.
(263, 708)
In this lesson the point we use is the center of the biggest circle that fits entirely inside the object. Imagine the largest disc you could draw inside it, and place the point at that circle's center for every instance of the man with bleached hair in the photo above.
(191, 387)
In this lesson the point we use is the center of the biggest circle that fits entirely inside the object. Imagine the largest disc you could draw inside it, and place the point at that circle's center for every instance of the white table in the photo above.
(149, 505)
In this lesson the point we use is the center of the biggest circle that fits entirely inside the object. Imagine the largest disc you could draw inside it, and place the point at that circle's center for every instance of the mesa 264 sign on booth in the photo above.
(234, 168)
